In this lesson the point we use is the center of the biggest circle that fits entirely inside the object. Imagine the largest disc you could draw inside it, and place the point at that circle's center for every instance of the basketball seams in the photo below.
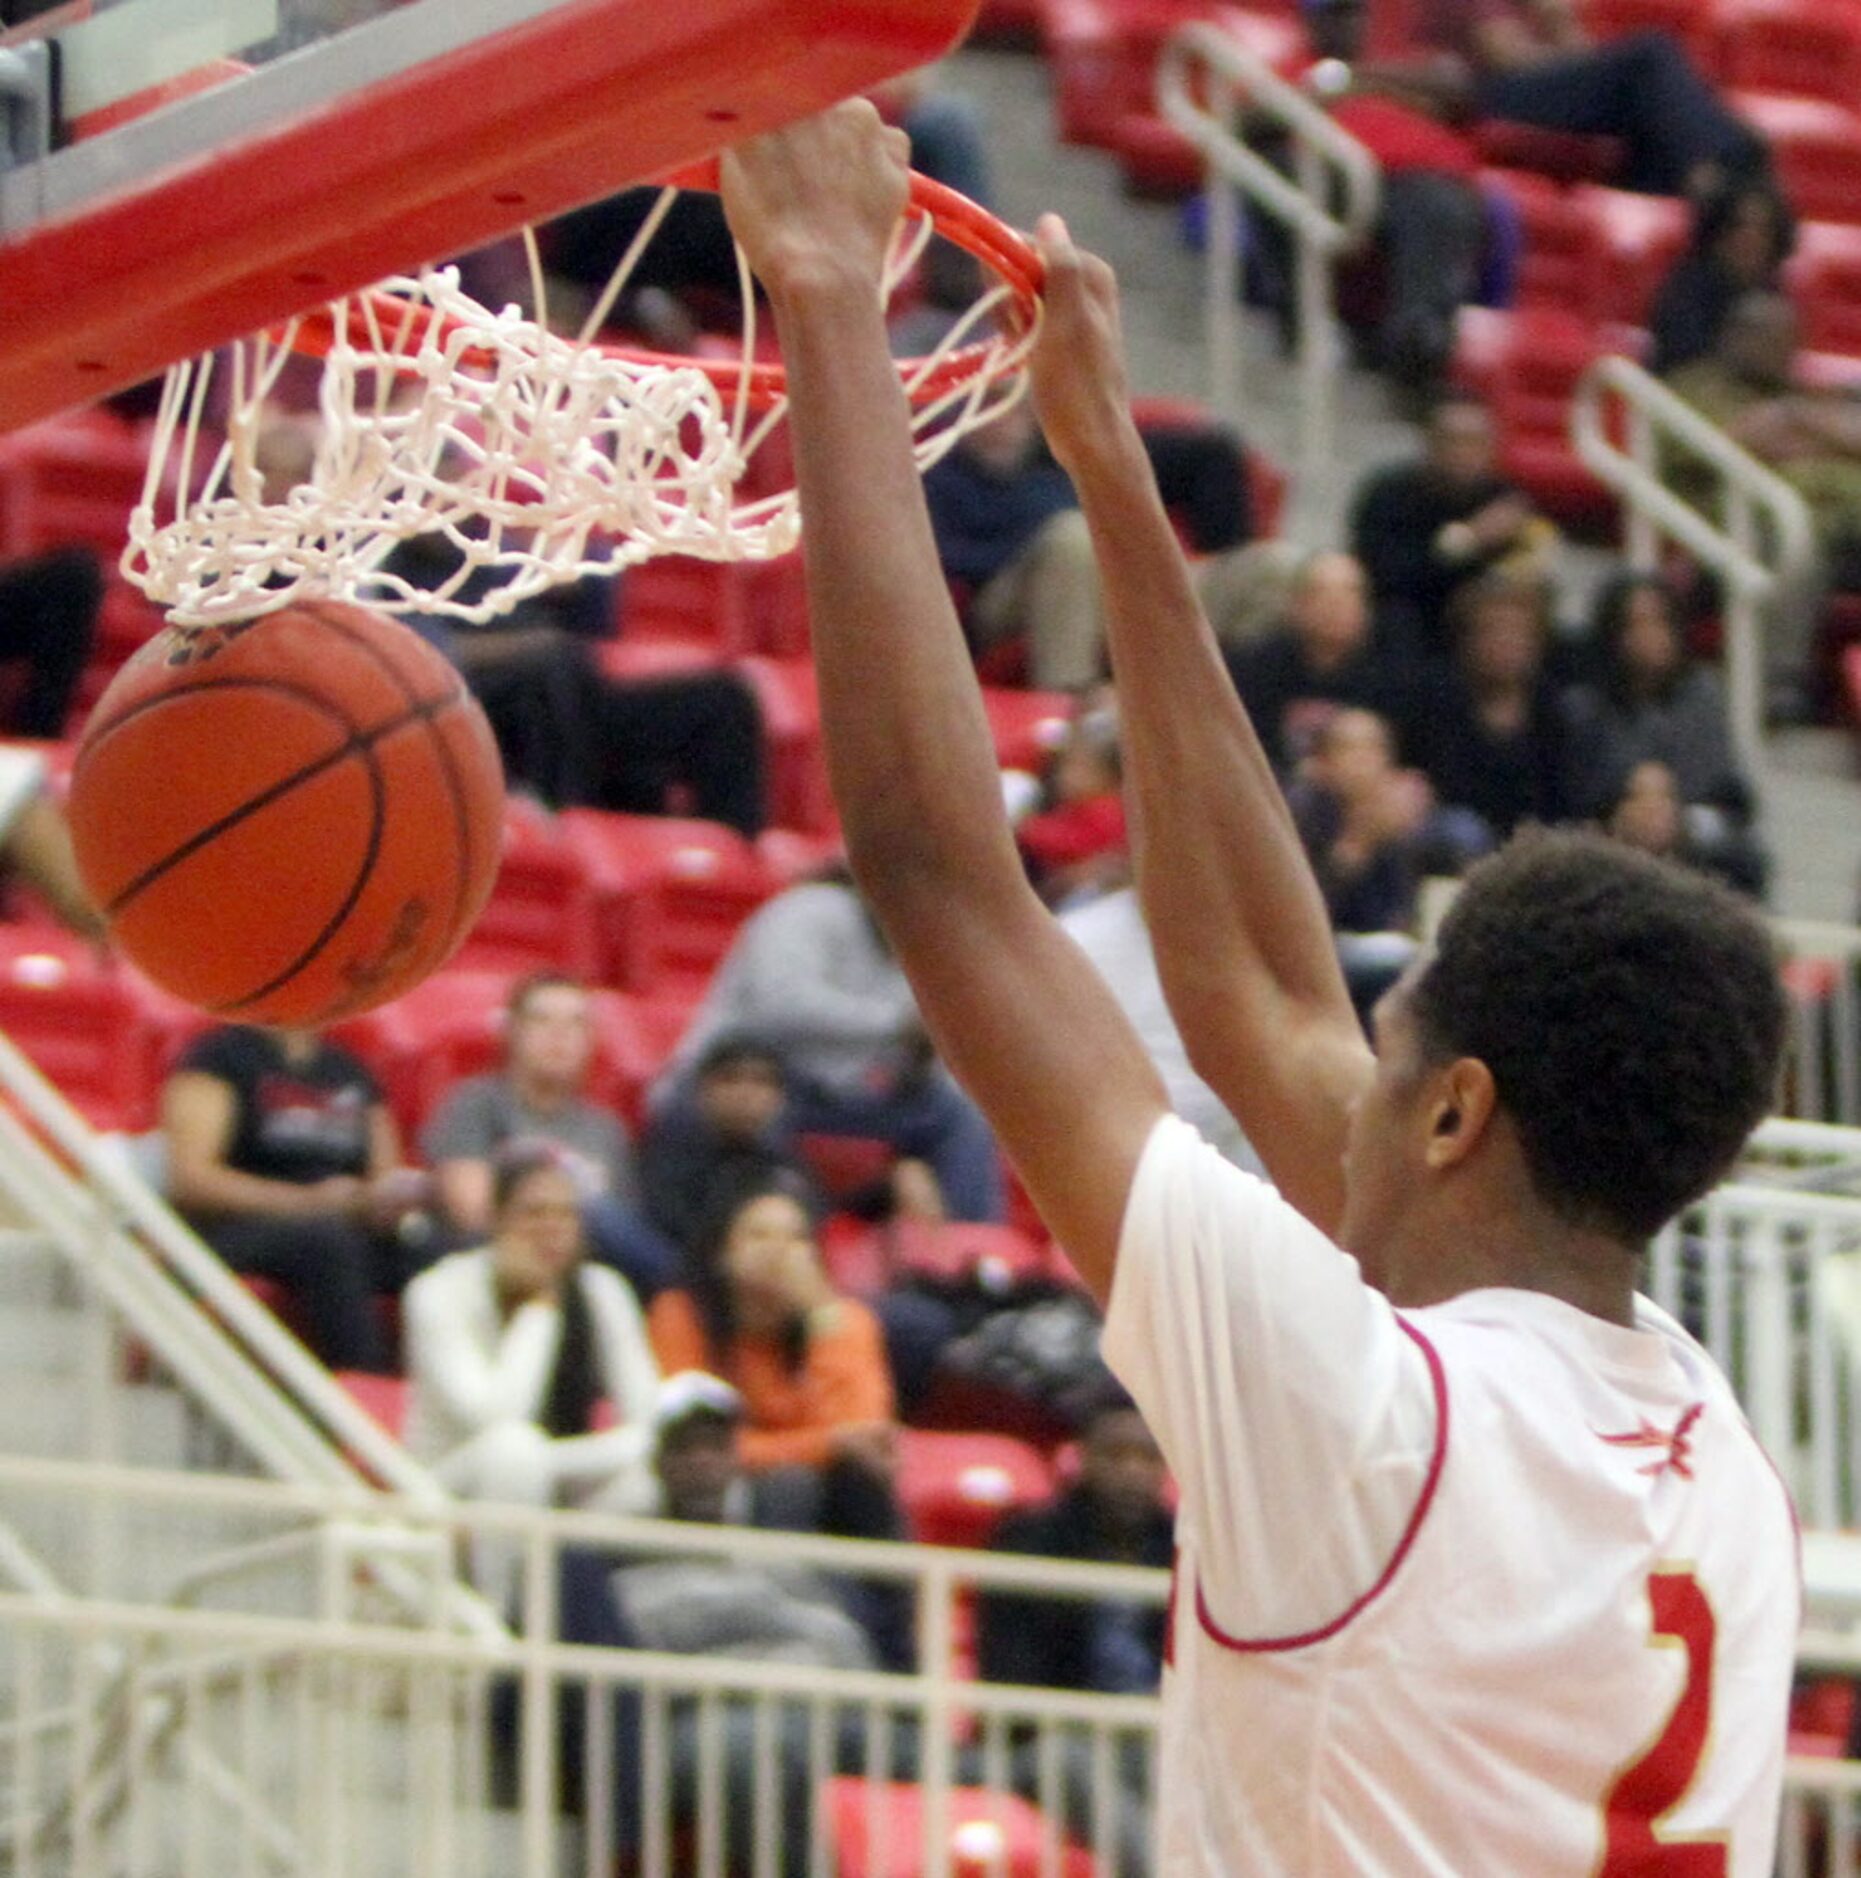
(357, 743)
(327, 613)
(365, 750)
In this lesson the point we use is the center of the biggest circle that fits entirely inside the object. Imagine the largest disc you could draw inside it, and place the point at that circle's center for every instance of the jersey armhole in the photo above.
(1259, 1646)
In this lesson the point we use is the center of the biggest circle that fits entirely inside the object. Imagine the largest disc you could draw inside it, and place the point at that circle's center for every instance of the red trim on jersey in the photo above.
(1251, 1646)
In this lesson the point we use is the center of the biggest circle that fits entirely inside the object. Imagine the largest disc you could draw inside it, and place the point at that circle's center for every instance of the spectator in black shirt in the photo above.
(1325, 657)
(732, 1129)
(1424, 529)
(283, 1155)
(1497, 740)
(48, 615)
(1115, 1513)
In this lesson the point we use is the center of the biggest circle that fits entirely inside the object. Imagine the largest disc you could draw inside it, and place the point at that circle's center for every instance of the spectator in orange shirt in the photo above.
(759, 1311)
(818, 1421)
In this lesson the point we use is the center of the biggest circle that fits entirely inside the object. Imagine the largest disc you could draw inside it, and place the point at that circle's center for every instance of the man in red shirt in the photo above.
(1532, 62)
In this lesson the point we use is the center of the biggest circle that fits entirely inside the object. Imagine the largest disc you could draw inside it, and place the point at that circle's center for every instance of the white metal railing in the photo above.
(156, 1280)
(1770, 1282)
(102, 1763)
(1760, 545)
(1209, 86)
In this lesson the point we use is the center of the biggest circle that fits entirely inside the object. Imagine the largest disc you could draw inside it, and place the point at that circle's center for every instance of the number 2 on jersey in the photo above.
(1651, 1787)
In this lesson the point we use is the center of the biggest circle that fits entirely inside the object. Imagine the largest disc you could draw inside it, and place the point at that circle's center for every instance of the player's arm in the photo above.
(1243, 942)
(1012, 1005)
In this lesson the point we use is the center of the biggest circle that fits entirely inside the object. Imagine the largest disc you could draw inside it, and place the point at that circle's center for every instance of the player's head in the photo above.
(1613, 1022)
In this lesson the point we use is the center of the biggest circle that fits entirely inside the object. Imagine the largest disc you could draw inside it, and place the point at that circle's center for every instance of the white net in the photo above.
(537, 458)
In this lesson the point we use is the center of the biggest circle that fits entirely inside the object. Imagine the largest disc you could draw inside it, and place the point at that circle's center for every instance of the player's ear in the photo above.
(1460, 1106)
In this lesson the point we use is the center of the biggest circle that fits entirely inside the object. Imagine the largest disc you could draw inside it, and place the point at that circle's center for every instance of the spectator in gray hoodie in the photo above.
(811, 975)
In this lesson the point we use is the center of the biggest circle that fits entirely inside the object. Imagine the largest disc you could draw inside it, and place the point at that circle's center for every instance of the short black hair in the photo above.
(731, 1049)
(1630, 1012)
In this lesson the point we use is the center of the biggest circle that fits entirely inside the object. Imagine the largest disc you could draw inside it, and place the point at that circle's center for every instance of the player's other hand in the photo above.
(1077, 369)
(816, 203)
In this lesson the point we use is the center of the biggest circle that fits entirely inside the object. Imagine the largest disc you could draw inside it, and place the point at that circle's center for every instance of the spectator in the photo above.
(1115, 1513)
(1533, 63)
(1645, 810)
(1431, 223)
(48, 616)
(1011, 537)
(1424, 528)
(549, 1044)
(1373, 830)
(1743, 232)
(759, 1311)
(513, 1346)
(1749, 387)
(1326, 656)
(734, 1128)
(1078, 838)
(284, 1157)
(706, 1605)
(811, 974)
(1496, 741)
(576, 737)
(1652, 704)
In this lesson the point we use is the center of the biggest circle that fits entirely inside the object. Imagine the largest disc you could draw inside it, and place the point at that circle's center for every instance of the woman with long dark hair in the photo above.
(513, 1348)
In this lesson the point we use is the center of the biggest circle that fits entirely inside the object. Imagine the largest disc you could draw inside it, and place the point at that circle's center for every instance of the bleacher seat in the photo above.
(1027, 726)
(1562, 263)
(1526, 366)
(992, 1835)
(669, 894)
(1639, 239)
(84, 1024)
(384, 1397)
(72, 480)
(1686, 20)
(541, 910)
(1817, 147)
(1824, 278)
(955, 1488)
(1800, 48)
(794, 765)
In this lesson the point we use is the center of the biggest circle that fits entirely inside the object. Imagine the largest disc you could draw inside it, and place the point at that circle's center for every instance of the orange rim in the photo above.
(1008, 255)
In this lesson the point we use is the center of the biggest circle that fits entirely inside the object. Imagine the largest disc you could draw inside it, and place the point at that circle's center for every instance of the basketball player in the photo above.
(1481, 1573)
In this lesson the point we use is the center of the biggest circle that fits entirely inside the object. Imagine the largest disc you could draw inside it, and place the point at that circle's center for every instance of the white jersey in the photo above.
(1489, 1590)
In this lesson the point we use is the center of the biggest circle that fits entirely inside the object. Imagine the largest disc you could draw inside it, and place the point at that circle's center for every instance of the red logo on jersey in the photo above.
(1677, 1443)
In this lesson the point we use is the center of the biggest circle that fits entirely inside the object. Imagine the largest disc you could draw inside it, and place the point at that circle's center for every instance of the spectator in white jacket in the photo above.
(512, 1347)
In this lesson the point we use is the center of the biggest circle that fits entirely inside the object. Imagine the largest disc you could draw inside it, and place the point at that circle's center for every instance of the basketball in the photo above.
(289, 819)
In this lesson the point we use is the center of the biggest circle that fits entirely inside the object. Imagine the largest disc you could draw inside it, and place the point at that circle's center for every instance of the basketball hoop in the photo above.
(539, 458)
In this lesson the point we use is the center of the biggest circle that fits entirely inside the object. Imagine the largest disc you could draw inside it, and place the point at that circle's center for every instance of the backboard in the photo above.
(217, 165)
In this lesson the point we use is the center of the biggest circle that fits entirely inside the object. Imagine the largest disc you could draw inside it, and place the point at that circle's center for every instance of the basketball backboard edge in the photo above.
(418, 134)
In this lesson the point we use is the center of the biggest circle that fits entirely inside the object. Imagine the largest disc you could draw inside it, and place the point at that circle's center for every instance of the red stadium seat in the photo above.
(1527, 365)
(86, 1028)
(73, 480)
(790, 854)
(954, 1488)
(1562, 263)
(669, 894)
(1817, 146)
(1027, 726)
(1824, 278)
(1558, 154)
(541, 910)
(1686, 20)
(1639, 239)
(795, 769)
(384, 1397)
(992, 1835)
(1801, 48)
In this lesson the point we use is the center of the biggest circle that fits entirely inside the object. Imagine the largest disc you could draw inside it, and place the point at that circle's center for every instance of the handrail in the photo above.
(237, 1358)
(1755, 563)
(1206, 81)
